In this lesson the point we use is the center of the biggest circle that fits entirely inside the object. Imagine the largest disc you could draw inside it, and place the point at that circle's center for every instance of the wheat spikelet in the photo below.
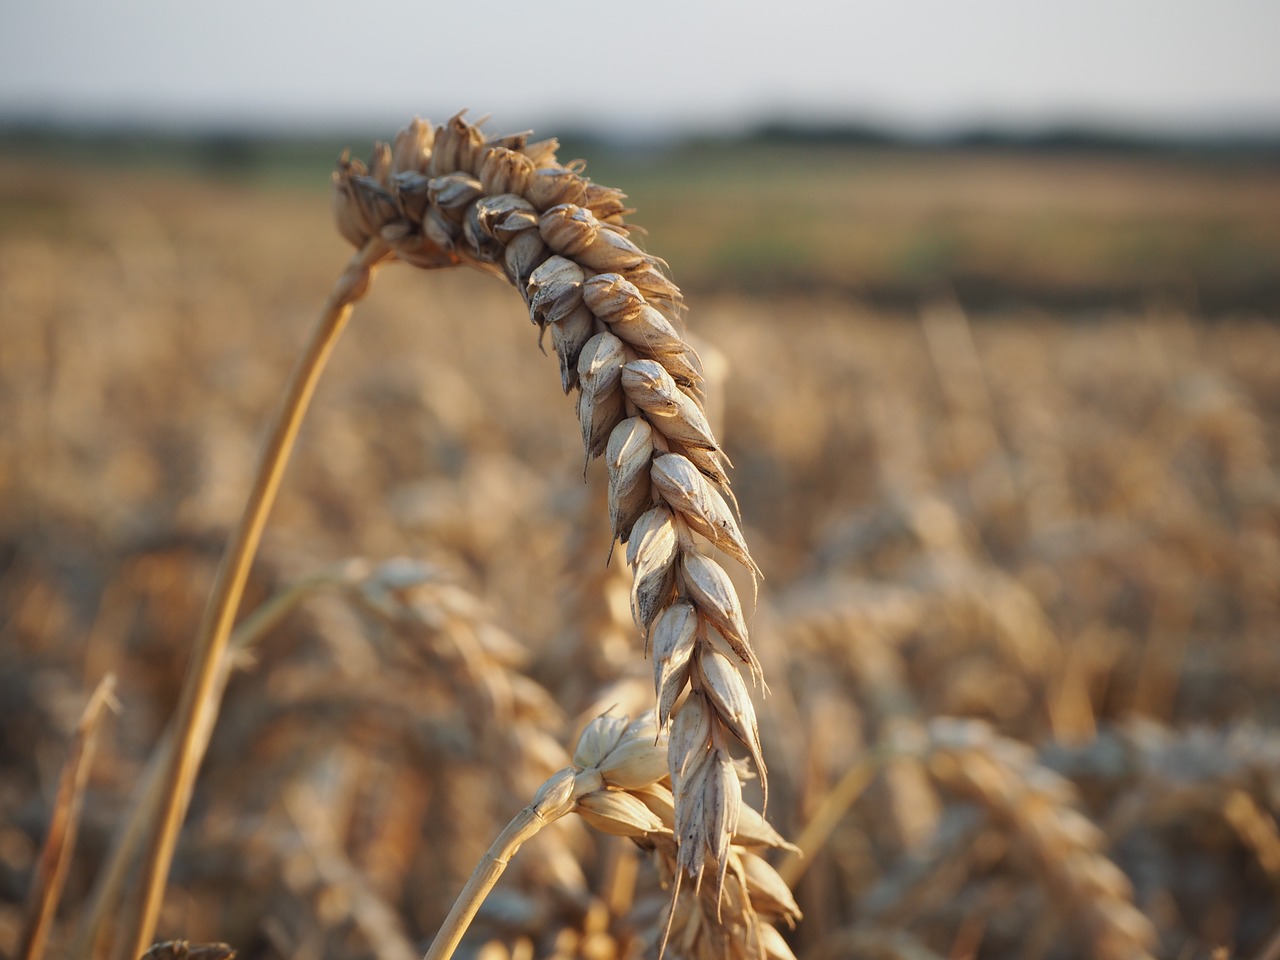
(438, 679)
(975, 641)
(737, 918)
(445, 196)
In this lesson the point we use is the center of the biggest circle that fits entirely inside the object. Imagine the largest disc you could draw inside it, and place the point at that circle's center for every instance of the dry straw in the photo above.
(55, 857)
(444, 196)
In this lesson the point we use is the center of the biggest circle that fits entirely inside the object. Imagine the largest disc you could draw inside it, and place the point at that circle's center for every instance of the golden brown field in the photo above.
(1021, 610)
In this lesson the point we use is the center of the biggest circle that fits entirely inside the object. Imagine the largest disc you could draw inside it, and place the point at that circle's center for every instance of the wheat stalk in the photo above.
(448, 196)
(60, 842)
(445, 196)
(149, 792)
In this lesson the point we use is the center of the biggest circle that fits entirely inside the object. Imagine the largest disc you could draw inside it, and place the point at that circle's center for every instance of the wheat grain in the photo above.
(733, 918)
(1144, 452)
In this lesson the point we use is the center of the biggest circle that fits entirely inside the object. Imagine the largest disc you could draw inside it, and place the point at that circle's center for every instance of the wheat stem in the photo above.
(828, 816)
(212, 640)
(94, 928)
(547, 807)
(55, 856)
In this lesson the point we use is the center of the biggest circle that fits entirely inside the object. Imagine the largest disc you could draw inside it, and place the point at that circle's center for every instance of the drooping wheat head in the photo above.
(445, 196)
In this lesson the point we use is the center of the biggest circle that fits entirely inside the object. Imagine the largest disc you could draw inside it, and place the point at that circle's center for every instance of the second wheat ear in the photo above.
(447, 195)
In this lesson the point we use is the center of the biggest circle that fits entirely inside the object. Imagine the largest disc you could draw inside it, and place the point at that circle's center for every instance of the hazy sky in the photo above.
(1145, 64)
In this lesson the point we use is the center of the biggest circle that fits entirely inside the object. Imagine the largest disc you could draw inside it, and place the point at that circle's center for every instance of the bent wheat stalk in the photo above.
(1037, 807)
(447, 196)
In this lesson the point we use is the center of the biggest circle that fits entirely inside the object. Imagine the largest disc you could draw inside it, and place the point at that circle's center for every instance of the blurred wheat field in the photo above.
(1022, 557)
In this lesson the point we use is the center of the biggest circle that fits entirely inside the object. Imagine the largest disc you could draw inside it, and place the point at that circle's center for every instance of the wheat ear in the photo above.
(448, 195)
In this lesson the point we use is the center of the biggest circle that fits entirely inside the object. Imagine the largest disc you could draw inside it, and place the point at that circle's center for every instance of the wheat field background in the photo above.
(1005, 429)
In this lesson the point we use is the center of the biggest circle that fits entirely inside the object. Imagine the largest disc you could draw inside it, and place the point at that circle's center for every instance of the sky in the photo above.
(1162, 66)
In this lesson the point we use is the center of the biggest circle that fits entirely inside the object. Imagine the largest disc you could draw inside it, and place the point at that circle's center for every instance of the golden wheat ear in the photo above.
(449, 195)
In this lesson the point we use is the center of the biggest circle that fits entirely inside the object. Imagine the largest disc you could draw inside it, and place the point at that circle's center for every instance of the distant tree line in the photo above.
(1065, 138)
(230, 150)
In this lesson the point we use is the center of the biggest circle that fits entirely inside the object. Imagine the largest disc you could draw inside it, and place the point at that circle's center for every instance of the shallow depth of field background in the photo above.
(1006, 428)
